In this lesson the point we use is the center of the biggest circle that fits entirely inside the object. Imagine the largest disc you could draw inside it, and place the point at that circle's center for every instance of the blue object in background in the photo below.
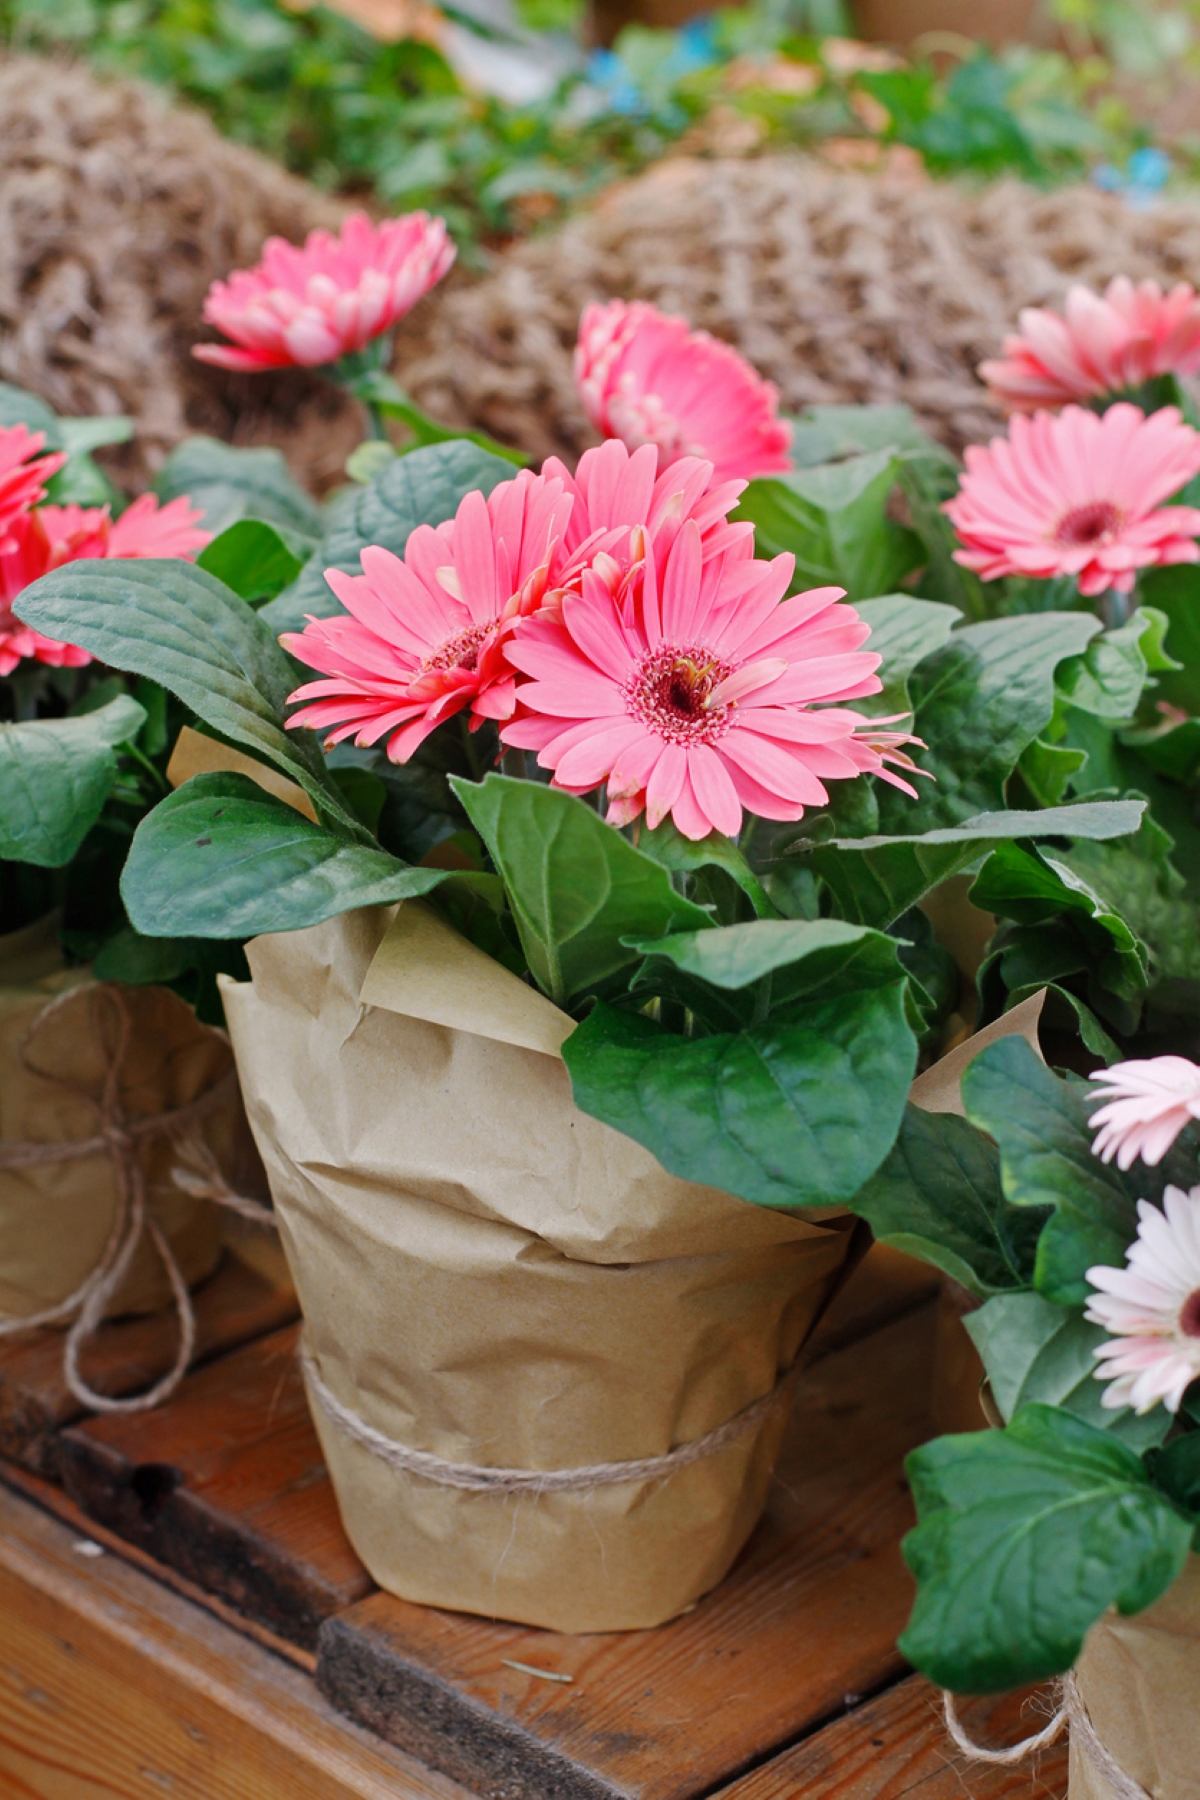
(1141, 181)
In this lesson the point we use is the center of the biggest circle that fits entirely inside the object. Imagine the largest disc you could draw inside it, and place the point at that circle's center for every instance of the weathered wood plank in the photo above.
(114, 1688)
(806, 1622)
(227, 1484)
(896, 1748)
(240, 1301)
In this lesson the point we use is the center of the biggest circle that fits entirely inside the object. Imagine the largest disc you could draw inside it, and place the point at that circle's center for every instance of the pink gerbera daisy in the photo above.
(689, 688)
(50, 536)
(23, 473)
(1152, 1308)
(645, 378)
(311, 306)
(1147, 1105)
(426, 634)
(422, 637)
(1102, 345)
(1079, 495)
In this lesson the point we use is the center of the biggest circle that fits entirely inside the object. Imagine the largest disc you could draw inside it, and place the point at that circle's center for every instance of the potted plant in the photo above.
(106, 1075)
(588, 972)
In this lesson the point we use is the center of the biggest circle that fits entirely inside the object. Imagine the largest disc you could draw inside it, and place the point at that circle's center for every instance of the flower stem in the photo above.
(473, 762)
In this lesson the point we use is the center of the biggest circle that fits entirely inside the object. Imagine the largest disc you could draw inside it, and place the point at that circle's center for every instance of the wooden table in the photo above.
(181, 1614)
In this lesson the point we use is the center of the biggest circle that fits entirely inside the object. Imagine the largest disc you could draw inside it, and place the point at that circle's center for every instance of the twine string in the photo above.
(121, 1138)
(486, 1479)
(1070, 1711)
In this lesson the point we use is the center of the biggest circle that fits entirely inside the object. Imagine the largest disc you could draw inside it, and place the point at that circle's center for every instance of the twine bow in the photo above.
(1070, 1711)
(121, 1137)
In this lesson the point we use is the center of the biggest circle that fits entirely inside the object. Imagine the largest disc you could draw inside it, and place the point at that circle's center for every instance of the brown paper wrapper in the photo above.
(1140, 1681)
(55, 1218)
(492, 1276)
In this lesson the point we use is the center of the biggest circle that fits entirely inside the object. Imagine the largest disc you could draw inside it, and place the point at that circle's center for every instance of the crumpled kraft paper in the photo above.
(1140, 1681)
(55, 1218)
(490, 1275)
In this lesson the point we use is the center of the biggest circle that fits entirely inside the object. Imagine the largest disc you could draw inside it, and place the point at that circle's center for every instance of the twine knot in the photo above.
(121, 1138)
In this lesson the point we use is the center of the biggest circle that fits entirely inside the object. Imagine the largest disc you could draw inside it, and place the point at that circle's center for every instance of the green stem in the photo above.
(473, 762)
(377, 430)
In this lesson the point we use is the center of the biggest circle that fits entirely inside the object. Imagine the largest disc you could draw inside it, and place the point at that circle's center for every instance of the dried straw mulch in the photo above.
(116, 212)
(840, 287)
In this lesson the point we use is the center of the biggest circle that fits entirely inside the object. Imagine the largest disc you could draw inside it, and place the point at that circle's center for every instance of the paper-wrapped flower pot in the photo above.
(1139, 1679)
(502, 1296)
(78, 1058)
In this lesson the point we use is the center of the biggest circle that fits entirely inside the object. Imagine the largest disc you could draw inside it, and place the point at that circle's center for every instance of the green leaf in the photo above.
(1108, 678)
(1034, 886)
(142, 961)
(254, 560)
(81, 436)
(1041, 1126)
(938, 1196)
(833, 519)
(1026, 1537)
(423, 488)
(875, 879)
(1034, 1350)
(174, 622)
(55, 775)
(667, 845)
(230, 484)
(927, 485)
(1175, 594)
(978, 702)
(1047, 769)
(903, 631)
(577, 888)
(823, 434)
(798, 1111)
(803, 959)
(1176, 1471)
(19, 407)
(219, 858)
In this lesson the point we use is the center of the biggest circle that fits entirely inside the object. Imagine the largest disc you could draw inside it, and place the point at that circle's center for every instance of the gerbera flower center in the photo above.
(670, 689)
(1189, 1315)
(461, 652)
(1088, 524)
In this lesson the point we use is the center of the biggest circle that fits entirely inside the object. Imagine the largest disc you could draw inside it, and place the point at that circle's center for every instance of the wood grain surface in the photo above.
(114, 1688)
(227, 1484)
(895, 1748)
(240, 1301)
(803, 1627)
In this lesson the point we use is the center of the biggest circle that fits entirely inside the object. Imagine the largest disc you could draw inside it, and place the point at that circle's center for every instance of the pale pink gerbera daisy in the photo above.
(312, 305)
(1103, 345)
(645, 378)
(1079, 495)
(422, 637)
(1147, 1105)
(689, 688)
(1152, 1308)
(426, 635)
(53, 535)
(23, 473)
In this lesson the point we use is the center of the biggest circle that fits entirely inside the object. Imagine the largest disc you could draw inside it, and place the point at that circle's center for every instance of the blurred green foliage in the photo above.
(394, 121)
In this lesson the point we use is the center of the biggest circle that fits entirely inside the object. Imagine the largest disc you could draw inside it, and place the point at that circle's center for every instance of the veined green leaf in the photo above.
(423, 488)
(229, 483)
(1026, 1537)
(798, 1111)
(55, 775)
(253, 559)
(578, 889)
(167, 619)
(1041, 1126)
(219, 858)
(938, 1196)
(1034, 1350)
(833, 520)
